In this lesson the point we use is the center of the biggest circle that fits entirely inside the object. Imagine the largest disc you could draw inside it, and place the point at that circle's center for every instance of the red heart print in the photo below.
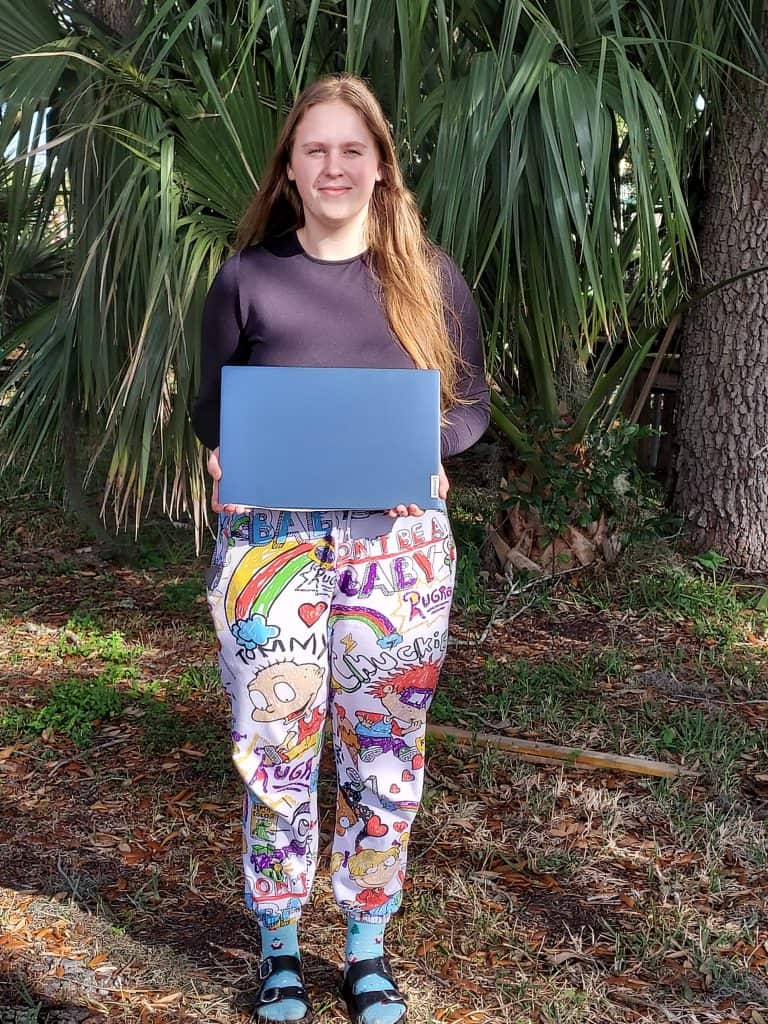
(407, 776)
(310, 613)
(418, 761)
(400, 826)
(394, 788)
(375, 827)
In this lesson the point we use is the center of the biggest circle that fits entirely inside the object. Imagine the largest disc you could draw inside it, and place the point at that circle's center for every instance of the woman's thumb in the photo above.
(214, 469)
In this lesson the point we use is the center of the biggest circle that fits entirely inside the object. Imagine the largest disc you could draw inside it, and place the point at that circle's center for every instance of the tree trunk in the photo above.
(722, 465)
(119, 15)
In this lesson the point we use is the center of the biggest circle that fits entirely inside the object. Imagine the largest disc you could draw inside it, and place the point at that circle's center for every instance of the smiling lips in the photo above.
(334, 190)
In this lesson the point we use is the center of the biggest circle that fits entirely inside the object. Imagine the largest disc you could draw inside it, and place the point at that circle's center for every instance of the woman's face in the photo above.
(334, 163)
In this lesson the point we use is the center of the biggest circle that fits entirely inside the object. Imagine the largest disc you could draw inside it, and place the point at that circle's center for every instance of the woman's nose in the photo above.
(333, 163)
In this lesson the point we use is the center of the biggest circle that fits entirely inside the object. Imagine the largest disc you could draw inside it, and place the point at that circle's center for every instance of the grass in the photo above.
(714, 828)
(714, 737)
(184, 596)
(559, 692)
(73, 709)
(563, 700)
(444, 707)
(742, 670)
(83, 637)
(77, 707)
(469, 515)
(721, 611)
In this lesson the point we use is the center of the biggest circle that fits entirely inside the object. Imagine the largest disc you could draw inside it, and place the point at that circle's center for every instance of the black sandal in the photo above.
(358, 1003)
(266, 994)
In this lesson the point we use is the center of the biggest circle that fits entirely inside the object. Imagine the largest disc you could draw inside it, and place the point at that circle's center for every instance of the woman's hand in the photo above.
(214, 469)
(414, 510)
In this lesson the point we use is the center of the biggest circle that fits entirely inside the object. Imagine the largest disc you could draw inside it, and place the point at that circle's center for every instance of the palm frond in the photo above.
(548, 144)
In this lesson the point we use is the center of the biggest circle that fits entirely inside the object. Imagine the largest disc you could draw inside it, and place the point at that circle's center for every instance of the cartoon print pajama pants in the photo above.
(344, 612)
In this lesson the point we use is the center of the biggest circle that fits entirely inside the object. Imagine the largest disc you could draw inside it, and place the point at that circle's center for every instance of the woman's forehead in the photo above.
(332, 122)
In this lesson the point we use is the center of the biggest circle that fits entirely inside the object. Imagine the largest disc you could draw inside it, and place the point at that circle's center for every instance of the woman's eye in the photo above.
(285, 692)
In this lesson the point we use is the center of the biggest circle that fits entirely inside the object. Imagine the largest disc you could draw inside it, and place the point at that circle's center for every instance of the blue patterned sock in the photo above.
(281, 942)
(365, 940)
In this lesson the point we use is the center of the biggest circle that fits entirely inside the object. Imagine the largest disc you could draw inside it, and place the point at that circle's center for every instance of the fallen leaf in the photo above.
(620, 981)
(172, 997)
(564, 957)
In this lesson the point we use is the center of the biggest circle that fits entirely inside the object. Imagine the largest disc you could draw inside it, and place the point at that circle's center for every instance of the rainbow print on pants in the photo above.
(260, 578)
(385, 633)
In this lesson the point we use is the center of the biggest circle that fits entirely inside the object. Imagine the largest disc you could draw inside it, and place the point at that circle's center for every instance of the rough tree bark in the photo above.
(119, 15)
(722, 433)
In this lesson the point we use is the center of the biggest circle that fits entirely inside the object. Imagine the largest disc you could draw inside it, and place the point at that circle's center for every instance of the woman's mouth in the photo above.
(334, 190)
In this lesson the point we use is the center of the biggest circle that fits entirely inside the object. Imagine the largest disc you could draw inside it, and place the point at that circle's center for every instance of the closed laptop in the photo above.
(329, 438)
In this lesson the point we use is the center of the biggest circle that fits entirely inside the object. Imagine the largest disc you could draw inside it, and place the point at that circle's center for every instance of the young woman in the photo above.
(344, 611)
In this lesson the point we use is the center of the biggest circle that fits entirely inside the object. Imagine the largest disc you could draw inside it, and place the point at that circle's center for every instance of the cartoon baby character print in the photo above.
(407, 694)
(372, 871)
(380, 734)
(284, 693)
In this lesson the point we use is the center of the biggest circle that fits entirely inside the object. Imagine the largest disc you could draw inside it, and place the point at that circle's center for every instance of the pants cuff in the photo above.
(271, 916)
(367, 917)
(379, 916)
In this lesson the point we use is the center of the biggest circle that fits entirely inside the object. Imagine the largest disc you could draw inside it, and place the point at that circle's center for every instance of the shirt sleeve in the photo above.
(465, 424)
(221, 338)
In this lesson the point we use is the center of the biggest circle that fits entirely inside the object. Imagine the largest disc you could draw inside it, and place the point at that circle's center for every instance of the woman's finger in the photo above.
(444, 486)
(215, 496)
(214, 467)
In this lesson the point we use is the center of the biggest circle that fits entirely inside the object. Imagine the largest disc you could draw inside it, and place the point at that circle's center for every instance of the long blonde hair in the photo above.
(406, 263)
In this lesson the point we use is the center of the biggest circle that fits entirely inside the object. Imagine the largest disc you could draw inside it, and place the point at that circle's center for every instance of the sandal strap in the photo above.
(283, 962)
(359, 1002)
(276, 995)
(365, 1000)
(268, 994)
(364, 968)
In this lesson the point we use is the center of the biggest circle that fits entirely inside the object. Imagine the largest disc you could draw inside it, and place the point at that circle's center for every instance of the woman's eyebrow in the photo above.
(360, 145)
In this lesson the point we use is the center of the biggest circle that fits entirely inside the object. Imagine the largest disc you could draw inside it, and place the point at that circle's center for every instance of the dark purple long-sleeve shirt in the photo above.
(275, 305)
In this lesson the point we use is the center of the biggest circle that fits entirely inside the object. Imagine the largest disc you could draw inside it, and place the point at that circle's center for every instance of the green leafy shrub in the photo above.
(576, 484)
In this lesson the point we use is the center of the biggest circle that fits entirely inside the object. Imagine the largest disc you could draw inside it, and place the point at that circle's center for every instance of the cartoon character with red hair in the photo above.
(407, 694)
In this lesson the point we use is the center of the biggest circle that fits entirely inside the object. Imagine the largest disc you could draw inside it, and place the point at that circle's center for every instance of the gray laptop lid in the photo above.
(327, 438)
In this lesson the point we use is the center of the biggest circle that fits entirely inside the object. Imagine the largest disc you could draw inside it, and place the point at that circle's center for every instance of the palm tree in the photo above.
(548, 145)
(722, 486)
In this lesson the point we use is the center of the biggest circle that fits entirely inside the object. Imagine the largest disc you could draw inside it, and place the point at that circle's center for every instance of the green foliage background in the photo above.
(549, 145)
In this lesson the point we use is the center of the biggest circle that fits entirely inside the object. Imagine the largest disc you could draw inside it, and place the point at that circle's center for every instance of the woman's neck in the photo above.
(332, 244)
